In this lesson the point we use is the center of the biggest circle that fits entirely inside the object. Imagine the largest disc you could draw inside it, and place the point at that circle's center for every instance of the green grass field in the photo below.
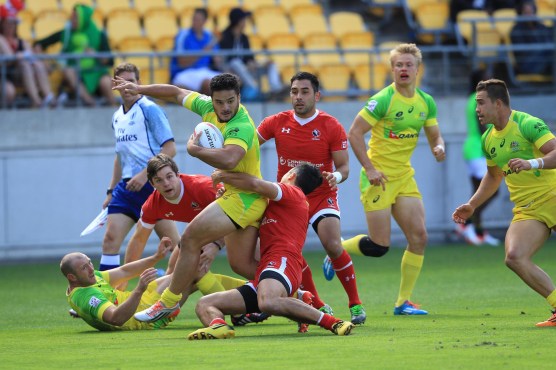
(481, 317)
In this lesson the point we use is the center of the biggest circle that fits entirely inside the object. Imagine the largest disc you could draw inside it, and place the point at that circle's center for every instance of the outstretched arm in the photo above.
(160, 91)
(246, 182)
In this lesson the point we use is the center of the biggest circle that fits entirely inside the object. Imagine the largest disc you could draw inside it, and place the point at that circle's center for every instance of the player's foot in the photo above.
(358, 315)
(469, 234)
(74, 314)
(156, 312)
(550, 322)
(165, 321)
(306, 297)
(341, 327)
(327, 309)
(327, 269)
(217, 331)
(409, 308)
(490, 240)
(248, 318)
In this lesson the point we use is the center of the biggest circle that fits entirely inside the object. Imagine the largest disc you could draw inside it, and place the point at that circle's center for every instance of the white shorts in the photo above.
(477, 168)
(192, 78)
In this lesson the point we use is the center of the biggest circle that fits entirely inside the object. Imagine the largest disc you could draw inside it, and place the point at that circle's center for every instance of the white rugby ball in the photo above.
(210, 135)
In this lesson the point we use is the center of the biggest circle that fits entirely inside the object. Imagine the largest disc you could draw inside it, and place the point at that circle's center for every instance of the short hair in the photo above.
(406, 49)
(66, 264)
(126, 67)
(157, 163)
(201, 11)
(308, 177)
(225, 81)
(495, 89)
(306, 76)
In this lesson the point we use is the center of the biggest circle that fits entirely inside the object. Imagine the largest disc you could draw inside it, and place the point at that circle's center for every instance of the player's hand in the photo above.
(208, 254)
(124, 86)
(164, 247)
(146, 278)
(517, 165)
(137, 182)
(377, 178)
(328, 176)
(106, 201)
(462, 213)
(439, 153)
(193, 144)
(217, 177)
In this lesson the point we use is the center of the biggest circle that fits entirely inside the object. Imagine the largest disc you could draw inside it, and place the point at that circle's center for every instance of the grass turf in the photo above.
(481, 315)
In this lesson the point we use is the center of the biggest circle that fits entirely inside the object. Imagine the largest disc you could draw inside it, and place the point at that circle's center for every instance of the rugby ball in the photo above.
(209, 135)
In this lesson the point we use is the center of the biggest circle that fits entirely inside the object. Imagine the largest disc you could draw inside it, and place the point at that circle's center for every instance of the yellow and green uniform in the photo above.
(91, 302)
(396, 122)
(244, 207)
(533, 191)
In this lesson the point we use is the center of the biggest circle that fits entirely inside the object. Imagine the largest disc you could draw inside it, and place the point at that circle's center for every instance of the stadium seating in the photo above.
(180, 5)
(38, 6)
(432, 22)
(269, 24)
(289, 4)
(122, 23)
(285, 42)
(214, 6)
(321, 41)
(357, 41)
(468, 20)
(346, 22)
(308, 23)
(49, 21)
(156, 75)
(185, 17)
(504, 20)
(371, 78)
(109, 6)
(25, 26)
(160, 22)
(136, 44)
(305, 9)
(144, 6)
(68, 5)
(335, 79)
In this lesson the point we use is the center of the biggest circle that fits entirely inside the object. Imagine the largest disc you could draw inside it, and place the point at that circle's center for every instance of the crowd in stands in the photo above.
(121, 27)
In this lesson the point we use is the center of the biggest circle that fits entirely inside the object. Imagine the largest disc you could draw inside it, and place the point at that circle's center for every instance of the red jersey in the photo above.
(284, 226)
(312, 140)
(197, 193)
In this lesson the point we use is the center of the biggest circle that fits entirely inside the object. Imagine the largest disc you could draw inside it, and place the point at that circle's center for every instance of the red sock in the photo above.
(218, 320)
(343, 266)
(327, 321)
(308, 284)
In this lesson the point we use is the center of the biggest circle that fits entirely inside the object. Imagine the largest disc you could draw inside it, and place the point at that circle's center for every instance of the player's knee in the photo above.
(371, 249)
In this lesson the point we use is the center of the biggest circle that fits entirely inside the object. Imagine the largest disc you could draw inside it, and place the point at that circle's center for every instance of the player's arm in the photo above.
(225, 158)
(547, 161)
(134, 269)
(356, 137)
(160, 91)
(261, 139)
(436, 142)
(116, 176)
(341, 164)
(490, 183)
(137, 243)
(137, 182)
(247, 182)
(118, 315)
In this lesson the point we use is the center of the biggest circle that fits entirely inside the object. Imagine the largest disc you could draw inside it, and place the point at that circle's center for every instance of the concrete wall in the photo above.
(56, 164)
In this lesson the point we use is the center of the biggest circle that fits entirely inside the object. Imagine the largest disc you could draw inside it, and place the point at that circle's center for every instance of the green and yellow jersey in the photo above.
(521, 138)
(240, 130)
(396, 122)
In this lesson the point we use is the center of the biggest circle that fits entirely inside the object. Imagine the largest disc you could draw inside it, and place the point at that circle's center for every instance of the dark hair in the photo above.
(225, 81)
(495, 89)
(306, 76)
(201, 11)
(126, 67)
(308, 177)
(157, 163)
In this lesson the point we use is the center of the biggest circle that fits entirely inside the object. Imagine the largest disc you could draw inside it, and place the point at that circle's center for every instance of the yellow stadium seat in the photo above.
(25, 26)
(271, 24)
(287, 71)
(165, 43)
(357, 41)
(317, 41)
(144, 6)
(335, 80)
(384, 51)
(108, 6)
(160, 22)
(285, 42)
(48, 22)
(371, 78)
(137, 44)
(346, 22)
(432, 20)
(289, 4)
(185, 17)
(98, 18)
(467, 18)
(38, 6)
(122, 23)
(214, 6)
(180, 5)
(269, 9)
(503, 24)
(305, 9)
(158, 75)
(68, 5)
(308, 23)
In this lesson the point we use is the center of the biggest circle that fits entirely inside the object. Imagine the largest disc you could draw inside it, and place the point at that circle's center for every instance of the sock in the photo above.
(109, 262)
(352, 245)
(218, 320)
(229, 282)
(343, 266)
(169, 299)
(326, 321)
(308, 284)
(410, 267)
(551, 299)
(209, 284)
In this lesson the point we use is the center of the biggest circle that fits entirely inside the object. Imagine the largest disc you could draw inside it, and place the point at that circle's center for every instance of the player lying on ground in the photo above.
(282, 234)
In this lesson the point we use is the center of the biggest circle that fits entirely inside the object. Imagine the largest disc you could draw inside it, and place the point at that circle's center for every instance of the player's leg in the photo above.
(240, 248)
(117, 227)
(409, 214)
(328, 231)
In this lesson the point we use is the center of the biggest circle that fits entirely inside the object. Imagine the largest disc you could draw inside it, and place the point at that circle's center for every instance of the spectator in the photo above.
(489, 6)
(194, 72)
(532, 32)
(29, 71)
(245, 65)
(81, 36)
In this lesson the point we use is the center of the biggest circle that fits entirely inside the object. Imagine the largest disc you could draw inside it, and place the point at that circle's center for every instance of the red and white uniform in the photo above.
(282, 234)
(197, 193)
(310, 140)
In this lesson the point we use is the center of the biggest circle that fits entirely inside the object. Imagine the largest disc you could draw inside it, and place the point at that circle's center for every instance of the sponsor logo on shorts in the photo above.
(376, 199)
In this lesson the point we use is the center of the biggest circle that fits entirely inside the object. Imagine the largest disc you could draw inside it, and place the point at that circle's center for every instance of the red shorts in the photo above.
(284, 267)
(323, 203)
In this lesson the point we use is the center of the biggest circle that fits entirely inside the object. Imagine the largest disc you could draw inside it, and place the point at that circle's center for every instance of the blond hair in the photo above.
(406, 49)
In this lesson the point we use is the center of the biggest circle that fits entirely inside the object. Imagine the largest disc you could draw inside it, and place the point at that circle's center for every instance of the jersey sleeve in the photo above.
(376, 108)
(267, 128)
(158, 124)
(198, 103)
(338, 137)
(91, 301)
(536, 131)
(148, 213)
(431, 117)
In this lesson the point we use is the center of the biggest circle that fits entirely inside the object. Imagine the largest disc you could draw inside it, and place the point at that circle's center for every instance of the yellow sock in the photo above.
(352, 245)
(410, 267)
(551, 299)
(209, 284)
(229, 282)
(169, 299)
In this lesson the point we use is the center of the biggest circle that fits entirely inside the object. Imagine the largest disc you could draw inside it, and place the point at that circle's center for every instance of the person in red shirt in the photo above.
(282, 234)
(305, 134)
